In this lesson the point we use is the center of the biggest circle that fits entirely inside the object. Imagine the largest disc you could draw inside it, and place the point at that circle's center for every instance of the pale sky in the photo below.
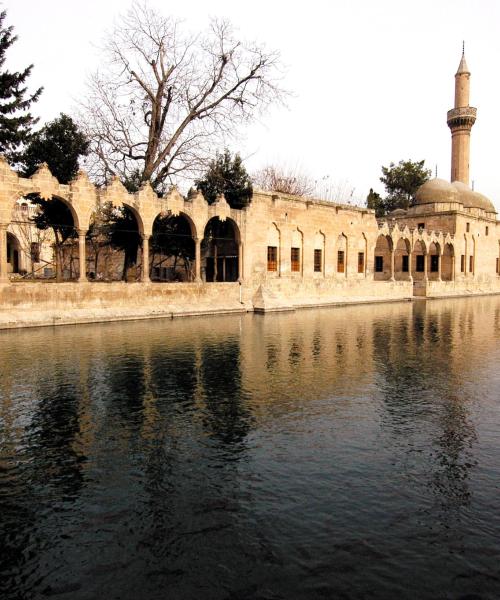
(372, 80)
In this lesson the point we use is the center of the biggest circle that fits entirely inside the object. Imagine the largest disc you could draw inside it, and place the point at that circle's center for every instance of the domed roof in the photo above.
(471, 199)
(466, 195)
(436, 190)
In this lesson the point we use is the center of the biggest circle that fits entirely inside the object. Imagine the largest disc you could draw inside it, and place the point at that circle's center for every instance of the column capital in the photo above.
(81, 232)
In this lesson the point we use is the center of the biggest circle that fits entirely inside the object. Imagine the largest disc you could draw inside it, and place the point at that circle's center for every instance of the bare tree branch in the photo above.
(163, 100)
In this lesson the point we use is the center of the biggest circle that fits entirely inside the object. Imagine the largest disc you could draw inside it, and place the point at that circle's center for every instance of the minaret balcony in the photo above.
(464, 116)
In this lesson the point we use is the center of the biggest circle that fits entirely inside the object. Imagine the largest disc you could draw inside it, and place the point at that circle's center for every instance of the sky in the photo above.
(371, 81)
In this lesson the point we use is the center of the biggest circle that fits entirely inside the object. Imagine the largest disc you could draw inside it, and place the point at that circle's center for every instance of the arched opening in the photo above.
(342, 255)
(448, 263)
(402, 260)
(273, 250)
(13, 254)
(58, 219)
(296, 252)
(434, 267)
(362, 254)
(121, 243)
(419, 269)
(172, 249)
(383, 252)
(319, 254)
(220, 251)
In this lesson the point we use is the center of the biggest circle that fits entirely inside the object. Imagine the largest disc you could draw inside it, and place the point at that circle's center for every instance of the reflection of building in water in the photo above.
(399, 368)
(285, 251)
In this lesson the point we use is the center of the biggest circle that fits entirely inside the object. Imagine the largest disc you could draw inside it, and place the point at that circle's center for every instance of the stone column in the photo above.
(240, 262)
(426, 260)
(197, 260)
(145, 258)
(410, 259)
(82, 260)
(439, 267)
(453, 267)
(4, 273)
(392, 278)
(216, 272)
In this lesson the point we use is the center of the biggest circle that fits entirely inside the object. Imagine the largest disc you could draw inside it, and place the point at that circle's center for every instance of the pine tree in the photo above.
(15, 119)
(226, 175)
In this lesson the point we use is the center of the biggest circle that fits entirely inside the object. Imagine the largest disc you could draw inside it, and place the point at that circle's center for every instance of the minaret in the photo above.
(460, 120)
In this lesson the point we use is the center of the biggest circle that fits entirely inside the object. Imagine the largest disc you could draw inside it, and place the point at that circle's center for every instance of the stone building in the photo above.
(281, 252)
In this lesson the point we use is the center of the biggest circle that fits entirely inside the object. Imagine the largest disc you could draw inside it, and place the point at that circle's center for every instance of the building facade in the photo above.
(281, 251)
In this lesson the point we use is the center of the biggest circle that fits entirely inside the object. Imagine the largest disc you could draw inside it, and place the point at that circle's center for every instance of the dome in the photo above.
(436, 190)
(466, 195)
(471, 199)
(484, 203)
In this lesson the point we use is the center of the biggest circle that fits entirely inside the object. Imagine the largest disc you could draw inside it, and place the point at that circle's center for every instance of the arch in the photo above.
(14, 254)
(342, 254)
(172, 249)
(220, 251)
(383, 258)
(418, 261)
(137, 216)
(58, 217)
(319, 253)
(434, 260)
(362, 249)
(402, 259)
(273, 249)
(297, 252)
(448, 262)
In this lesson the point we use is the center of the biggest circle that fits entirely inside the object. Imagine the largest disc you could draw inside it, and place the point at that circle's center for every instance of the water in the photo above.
(337, 453)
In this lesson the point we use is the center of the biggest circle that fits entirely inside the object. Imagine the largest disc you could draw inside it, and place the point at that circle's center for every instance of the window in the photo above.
(434, 263)
(361, 262)
(486, 231)
(379, 264)
(404, 263)
(420, 262)
(462, 264)
(35, 252)
(340, 261)
(421, 225)
(24, 207)
(295, 256)
(318, 261)
(272, 258)
(471, 263)
(467, 227)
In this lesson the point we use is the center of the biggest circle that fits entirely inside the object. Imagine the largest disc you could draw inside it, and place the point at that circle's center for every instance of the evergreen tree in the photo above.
(15, 119)
(402, 181)
(376, 203)
(60, 144)
(226, 175)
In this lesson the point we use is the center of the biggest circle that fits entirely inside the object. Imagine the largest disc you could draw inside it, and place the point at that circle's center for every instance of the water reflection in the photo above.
(328, 452)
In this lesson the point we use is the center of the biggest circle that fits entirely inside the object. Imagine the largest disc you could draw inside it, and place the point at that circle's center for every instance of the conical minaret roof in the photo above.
(462, 67)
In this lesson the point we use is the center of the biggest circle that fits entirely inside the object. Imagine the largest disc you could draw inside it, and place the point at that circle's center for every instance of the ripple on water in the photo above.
(343, 453)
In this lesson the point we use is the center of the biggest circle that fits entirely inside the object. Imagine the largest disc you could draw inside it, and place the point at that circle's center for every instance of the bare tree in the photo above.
(163, 99)
(339, 191)
(283, 180)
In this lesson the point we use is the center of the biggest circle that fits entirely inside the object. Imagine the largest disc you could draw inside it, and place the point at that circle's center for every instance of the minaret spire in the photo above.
(460, 120)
